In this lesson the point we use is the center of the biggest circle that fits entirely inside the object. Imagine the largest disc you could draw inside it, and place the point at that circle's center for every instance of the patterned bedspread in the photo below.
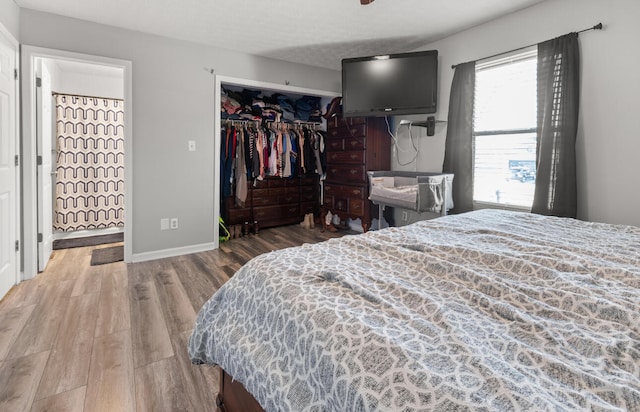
(488, 310)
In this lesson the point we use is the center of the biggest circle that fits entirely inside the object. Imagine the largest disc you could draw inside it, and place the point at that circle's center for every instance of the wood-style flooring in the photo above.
(114, 337)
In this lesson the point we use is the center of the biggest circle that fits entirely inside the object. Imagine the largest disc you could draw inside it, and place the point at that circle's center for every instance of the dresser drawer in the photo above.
(260, 193)
(352, 206)
(344, 130)
(346, 191)
(276, 182)
(334, 145)
(230, 202)
(260, 184)
(291, 182)
(348, 143)
(289, 198)
(355, 174)
(356, 206)
(351, 157)
(266, 197)
(339, 121)
(354, 143)
(265, 201)
(236, 216)
(266, 213)
(356, 120)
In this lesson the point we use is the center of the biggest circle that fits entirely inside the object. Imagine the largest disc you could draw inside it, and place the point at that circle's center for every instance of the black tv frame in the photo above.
(429, 108)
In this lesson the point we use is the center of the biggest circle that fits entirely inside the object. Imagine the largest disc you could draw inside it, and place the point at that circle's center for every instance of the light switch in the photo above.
(192, 145)
(164, 224)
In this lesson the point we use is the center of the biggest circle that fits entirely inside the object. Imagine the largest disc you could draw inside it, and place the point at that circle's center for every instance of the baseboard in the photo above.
(87, 233)
(165, 253)
(68, 243)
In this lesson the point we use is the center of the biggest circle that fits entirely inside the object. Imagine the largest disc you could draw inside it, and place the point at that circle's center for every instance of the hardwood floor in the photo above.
(114, 337)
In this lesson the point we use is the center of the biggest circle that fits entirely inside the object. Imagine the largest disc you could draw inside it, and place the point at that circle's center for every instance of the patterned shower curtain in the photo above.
(90, 163)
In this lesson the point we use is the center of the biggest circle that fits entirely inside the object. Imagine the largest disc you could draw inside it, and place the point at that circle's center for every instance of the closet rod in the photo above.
(84, 95)
(596, 27)
(302, 123)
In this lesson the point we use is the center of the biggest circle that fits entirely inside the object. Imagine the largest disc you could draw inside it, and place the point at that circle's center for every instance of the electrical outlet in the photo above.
(192, 145)
(164, 224)
(174, 223)
(405, 216)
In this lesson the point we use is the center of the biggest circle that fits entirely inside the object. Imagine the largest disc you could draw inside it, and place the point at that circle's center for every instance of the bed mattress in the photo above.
(489, 310)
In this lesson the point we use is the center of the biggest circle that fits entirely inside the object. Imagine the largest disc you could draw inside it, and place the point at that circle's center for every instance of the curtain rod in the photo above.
(596, 27)
(84, 95)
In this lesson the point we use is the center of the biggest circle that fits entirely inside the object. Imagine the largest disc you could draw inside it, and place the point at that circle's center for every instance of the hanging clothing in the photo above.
(251, 151)
(293, 153)
(273, 154)
(240, 169)
(226, 161)
(286, 155)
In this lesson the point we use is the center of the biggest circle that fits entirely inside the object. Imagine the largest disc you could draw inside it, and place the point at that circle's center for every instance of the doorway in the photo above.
(81, 171)
(9, 177)
(80, 128)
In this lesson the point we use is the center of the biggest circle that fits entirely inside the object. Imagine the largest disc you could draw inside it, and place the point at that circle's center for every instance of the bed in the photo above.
(488, 310)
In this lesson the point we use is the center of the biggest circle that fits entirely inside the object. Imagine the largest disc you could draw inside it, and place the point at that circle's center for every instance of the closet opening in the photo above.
(268, 150)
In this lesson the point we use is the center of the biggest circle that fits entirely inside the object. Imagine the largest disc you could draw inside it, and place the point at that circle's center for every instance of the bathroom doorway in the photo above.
(81, 135)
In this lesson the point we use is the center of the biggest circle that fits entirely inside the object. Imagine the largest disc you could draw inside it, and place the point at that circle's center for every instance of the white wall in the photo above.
(173, 102)
(90, 84)
(608, 143)
(9, 17)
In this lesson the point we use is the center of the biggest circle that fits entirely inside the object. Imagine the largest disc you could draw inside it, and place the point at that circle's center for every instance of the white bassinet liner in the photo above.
(401, 196)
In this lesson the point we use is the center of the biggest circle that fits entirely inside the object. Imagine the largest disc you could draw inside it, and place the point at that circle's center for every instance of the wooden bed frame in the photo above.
(233, 397)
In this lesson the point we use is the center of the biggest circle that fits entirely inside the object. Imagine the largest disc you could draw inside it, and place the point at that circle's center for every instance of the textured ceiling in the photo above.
(314, 32)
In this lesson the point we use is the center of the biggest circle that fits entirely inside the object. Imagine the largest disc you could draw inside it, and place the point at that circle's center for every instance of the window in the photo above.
(505, 130)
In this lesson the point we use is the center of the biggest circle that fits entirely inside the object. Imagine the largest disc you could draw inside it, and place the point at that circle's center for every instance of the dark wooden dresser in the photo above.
(275, 201)
(354, 146)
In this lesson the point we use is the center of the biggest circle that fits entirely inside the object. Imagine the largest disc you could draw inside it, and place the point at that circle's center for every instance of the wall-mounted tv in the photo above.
(389, 85)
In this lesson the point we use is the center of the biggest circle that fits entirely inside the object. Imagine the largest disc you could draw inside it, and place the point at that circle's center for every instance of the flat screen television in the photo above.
(389, 85)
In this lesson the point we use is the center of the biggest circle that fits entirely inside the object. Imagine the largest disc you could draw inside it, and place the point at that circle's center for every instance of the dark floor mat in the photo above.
(107, 255)
(88, 241)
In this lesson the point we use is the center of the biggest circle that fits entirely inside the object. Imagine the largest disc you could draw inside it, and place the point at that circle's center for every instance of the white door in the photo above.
(8, 169)
(44, 139)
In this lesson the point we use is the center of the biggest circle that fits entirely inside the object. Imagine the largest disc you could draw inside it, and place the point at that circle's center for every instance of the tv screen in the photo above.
(405, 83)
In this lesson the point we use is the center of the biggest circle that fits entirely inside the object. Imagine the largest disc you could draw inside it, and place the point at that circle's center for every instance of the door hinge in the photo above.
(15, 74)
(38, 82)
(17, 160)
(40, 237)
(39, 160)
(17, 245)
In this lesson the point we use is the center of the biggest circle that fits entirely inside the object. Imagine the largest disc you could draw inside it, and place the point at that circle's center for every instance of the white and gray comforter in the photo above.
(489, 310)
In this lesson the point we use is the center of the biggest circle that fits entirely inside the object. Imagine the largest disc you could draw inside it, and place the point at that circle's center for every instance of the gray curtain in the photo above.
(558, 102)
(458, 155)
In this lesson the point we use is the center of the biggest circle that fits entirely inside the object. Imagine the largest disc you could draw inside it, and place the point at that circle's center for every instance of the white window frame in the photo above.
(508, 58)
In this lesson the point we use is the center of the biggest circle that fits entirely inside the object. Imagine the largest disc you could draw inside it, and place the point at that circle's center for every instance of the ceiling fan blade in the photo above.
(365, 2)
